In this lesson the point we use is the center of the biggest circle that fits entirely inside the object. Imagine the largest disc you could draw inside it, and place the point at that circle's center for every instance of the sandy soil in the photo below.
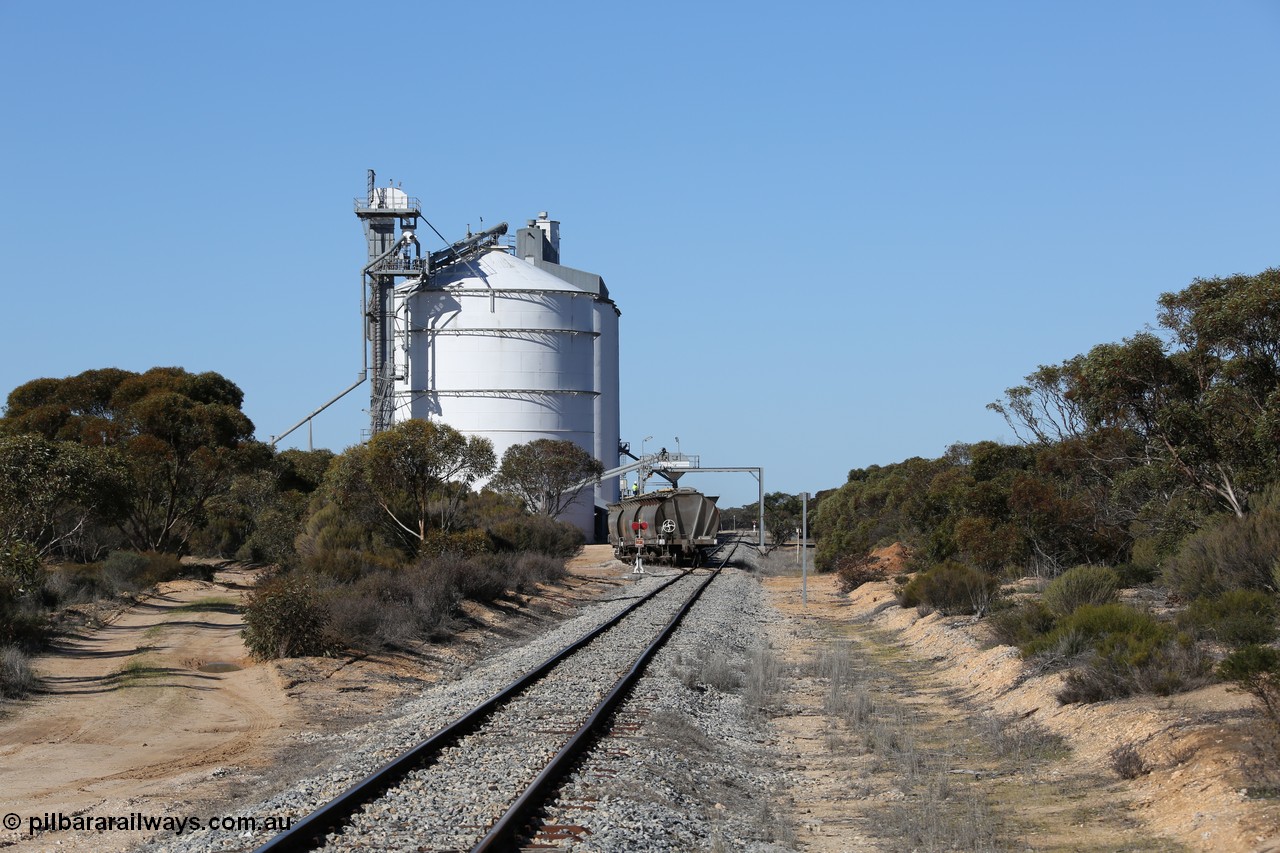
(161, 696)
(1199, 745)
(161, 712)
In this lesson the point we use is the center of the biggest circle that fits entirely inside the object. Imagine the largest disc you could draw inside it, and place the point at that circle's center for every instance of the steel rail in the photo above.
(309, 833)
(502, 836)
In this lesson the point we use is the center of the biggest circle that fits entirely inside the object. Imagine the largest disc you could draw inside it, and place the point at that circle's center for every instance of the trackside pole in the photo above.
(804, 549)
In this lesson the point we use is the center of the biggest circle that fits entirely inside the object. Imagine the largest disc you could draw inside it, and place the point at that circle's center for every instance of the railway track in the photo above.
(474, 784)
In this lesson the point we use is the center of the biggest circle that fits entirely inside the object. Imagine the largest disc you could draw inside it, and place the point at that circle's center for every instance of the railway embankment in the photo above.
(918, 728)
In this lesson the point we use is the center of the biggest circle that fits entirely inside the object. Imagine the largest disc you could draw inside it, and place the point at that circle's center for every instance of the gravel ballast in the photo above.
(364, 748)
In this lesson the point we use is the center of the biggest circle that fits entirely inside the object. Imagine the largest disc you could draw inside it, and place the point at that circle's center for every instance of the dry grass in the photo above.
(1127, 762)
(16, 677)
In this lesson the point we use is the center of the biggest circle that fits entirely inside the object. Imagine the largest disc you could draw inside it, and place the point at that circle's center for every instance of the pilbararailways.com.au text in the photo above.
(138, 822)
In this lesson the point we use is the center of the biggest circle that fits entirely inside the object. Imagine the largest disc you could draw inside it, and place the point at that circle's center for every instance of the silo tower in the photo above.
(381, 210)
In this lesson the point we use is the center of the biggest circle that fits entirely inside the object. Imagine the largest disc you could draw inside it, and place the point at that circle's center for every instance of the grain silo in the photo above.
(514, 346)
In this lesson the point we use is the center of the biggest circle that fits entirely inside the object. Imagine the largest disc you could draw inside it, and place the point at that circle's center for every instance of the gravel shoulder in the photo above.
(964, 696)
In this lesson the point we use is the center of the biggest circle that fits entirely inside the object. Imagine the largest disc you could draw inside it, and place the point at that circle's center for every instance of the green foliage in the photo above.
(538, 534)
(1256, 670)
(1134, 574)
(1021, 624)
(1230, 553)
(285, 617)
(178, 437)
(129, 571)
(419, 468)
(547, 475)
(464, 543)
(1126, 451)
(390, 607)
(52, 492)
(877, 506)
(951, 588)
(1118, 651)
(21, 570)
(1080, 585)
(335, 543)
(1090, 625)
(23, 622)
(1237, 617)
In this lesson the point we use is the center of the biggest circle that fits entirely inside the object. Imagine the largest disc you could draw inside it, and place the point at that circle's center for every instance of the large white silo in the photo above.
(607, 402)
(501, 347)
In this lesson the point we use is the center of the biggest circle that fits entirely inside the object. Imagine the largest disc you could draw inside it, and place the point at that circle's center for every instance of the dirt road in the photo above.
(155, 702)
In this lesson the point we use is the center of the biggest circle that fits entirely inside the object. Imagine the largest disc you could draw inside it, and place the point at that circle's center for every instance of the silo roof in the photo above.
(501, 271)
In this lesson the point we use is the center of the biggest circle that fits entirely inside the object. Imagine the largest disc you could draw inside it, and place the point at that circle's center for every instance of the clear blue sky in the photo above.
(835, 230)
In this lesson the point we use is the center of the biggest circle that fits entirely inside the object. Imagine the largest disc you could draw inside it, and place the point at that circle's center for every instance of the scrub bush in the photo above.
(1237, 617)
(1127, 762)
(853, 572)
(1022, 623)
(950, 587)
(1256, 670)
(466, 543)
(537, 533)
(390, 608)
(1235, 553)
(285, 617)
(16, 677)
(130, 571)
(1081, 585)
(1119, 651)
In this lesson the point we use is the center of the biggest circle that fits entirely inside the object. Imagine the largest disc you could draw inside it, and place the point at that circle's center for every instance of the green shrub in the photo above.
(482, 578)
(1088, 626)
(1256, 670)
(1022, 623)
(1135, 574)
(537, 533)
(130, 571)
(20, 563)
(23, 622)
(1080, 585)
(123, 570)
(76, 583)
(950, 587)
(1237, 617)
(285, 617)
(1119, 651)
(347, 565)
(533, 568)
(389, 608)
(1234, 553)
(465, 543)
(1127, 762)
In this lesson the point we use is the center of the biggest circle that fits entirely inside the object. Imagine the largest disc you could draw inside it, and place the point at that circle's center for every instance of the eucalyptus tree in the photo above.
(546, 474)
(419, 468)
(181, 438)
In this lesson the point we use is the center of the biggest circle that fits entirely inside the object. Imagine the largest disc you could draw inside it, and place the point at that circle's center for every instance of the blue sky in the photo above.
(835, 230)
